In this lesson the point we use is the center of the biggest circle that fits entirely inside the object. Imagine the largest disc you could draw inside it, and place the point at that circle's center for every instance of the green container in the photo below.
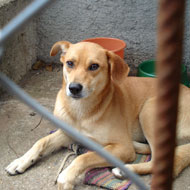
(147, 69)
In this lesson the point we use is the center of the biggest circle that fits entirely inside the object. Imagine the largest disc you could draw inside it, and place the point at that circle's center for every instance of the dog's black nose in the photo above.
(75, 88)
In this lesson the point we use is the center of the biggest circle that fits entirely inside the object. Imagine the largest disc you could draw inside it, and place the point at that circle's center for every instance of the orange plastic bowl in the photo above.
(111, 44)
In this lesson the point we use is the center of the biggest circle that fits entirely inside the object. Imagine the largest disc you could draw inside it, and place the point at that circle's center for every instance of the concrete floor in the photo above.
(17, 136)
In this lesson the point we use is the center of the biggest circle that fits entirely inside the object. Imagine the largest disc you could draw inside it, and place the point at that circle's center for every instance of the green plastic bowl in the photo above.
(147, 69)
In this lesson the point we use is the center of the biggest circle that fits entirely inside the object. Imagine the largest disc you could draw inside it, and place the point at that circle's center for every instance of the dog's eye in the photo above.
(70, 64)
(93, 67)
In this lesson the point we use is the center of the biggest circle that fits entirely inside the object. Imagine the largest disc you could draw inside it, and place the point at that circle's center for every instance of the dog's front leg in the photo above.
(41, 148)
(67, 178)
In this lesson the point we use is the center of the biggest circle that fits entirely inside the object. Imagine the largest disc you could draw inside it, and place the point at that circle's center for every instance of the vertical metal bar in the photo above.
(169, 56)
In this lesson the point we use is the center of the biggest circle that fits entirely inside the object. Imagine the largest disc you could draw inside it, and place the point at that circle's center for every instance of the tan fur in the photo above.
(114, 110)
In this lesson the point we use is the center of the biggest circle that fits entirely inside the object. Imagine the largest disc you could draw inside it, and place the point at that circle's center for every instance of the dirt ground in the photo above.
(20, 128)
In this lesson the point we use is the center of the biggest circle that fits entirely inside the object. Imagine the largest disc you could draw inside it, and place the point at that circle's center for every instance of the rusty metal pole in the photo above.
(169, 56)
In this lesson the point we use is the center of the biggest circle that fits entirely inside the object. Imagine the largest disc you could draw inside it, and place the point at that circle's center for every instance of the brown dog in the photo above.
(101, 102)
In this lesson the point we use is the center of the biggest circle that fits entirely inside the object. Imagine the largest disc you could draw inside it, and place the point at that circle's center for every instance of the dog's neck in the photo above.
(89, 107)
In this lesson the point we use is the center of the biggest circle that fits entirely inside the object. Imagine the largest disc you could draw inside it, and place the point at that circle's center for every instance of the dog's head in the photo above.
(87, 67)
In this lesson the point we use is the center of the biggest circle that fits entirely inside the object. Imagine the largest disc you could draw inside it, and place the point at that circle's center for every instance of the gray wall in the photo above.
(20, 49)
(186, 59)
(133, 21)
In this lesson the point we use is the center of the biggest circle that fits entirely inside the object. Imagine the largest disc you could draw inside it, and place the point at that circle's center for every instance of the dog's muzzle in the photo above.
(75, 90)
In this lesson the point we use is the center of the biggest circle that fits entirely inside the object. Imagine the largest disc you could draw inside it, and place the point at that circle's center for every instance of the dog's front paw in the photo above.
(64, 181)
(18, 166)
(65, 186)
(118, 173)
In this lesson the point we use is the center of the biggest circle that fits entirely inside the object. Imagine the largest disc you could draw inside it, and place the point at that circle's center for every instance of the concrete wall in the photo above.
(20, 50)
(133, 21)
(186, 58)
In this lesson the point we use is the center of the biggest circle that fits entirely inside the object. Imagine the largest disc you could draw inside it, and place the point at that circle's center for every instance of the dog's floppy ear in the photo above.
(119, 69)
(62, 46)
